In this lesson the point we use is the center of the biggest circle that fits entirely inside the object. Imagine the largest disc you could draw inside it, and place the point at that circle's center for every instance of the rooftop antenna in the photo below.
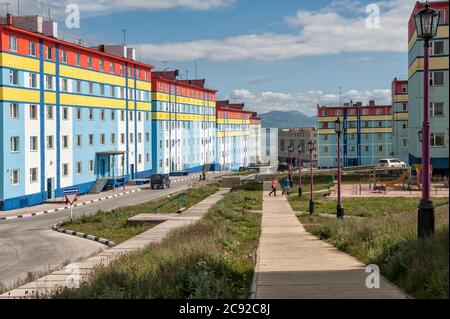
(124, 36)
(49, 15)
(195, 67)
(340, 96)
(18, 7)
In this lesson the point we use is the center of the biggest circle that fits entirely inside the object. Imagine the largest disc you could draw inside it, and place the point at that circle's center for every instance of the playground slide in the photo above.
(399, 180)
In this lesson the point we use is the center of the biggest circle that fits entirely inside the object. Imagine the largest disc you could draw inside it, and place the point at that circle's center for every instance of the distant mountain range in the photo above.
(290, 119)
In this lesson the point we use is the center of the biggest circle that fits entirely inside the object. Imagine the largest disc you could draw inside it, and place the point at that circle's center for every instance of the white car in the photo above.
(391, 163)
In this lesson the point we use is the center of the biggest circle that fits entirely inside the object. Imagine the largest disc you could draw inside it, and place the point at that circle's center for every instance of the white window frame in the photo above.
(433, 139)
(432, 77)
(34, 144)
(34, 171)
(13, 43)
(433, 111)
(15, 144)
(14, 111)
(12, 175)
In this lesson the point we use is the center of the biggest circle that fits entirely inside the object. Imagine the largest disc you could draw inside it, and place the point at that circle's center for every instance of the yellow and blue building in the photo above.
(400, 125)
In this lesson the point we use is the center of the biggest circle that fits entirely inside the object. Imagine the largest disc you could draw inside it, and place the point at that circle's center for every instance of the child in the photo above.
(274, 187)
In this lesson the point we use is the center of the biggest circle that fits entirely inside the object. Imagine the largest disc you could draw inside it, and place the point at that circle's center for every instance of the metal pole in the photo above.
(71, 215)
(340, 210)
(426, 208)
(300, 191)
(311, 201)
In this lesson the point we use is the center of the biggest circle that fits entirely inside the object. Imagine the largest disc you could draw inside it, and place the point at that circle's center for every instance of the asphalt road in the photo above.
(29, 244)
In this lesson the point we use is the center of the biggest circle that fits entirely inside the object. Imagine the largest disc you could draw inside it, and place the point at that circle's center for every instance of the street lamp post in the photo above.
(338, 130)
(311, 201)
(300, 190)
(426, 21)
(290, 153)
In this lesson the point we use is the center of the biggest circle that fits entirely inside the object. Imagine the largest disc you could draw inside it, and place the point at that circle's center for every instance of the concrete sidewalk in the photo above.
(48, 285)
(86, 199)
(293, 264)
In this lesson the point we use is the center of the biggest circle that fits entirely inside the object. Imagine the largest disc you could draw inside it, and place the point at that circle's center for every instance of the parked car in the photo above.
(160, 181)
(391, 163)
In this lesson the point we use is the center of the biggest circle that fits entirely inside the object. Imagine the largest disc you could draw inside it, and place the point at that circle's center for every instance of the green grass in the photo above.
(213, 258)
(113, 225)
(390, 241)
(361, 206)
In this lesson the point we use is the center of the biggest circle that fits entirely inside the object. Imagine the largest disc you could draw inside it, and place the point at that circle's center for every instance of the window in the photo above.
(405, 142)
(380, 148)
(380, 136)
(64, 85)
(49, 112)
(366, 148)
(50, 142)
(65, 113)
(33, 112)
(91, 88)
(33, 175)
(131, 116)
(102, 89)
(113, 115)
(15, 144)
(437, 109)
(441, 17)
(90, 63)
(65, 169)
(49, 82)
(436, 78)
(78, 60)
(366, 136)
(91, 114)
(102, 115)
(91, 139)
(352, 148)
(102, 139)
(112, 91)
(49, 53)
(404, 124)
(379, 123)
(101, 65)
(405, 107)
(32, 80)
(32, 49)
(78, 86)
(437, 47)
(139, 137)
(131, 138)
(14, 77)
(13, 43)
(33, 143)
(139, 117)
(147, 137)
(140, 158)
(111, 67)
(91, 166)
(65, 141)
(113, 138)
(14, 177)
(379, 111)
(147, 157)
(79, 114)
(79, 168)
(64, 56)
(438, 139)
(14, 110)
(122, 138)
(78, 140)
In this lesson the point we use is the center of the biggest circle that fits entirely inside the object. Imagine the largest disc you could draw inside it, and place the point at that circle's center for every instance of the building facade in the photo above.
(438, 92)
(70, 115)
(255, 140)
(400, 125)
(293, 138)
(184, 124)
(366, 136)
(233, 135)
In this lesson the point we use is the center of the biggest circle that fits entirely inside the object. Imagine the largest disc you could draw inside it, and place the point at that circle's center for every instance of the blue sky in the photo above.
(285, 54)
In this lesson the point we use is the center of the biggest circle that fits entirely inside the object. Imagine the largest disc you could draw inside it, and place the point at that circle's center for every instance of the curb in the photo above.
(83, 235)
(68, 206)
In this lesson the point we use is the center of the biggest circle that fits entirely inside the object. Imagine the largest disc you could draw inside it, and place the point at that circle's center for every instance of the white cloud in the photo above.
(305, 102)
(98, 7)
(320, 32)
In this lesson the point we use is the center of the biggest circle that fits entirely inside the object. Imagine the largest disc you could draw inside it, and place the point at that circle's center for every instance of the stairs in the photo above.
(98, 186)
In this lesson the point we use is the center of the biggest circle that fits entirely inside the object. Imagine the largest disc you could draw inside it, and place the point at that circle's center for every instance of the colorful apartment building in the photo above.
(70, 115)
(400, 127)
(366, 137)
(233, 135)
(292, 138)
(255, 140)
(184, 129)
(438, 92)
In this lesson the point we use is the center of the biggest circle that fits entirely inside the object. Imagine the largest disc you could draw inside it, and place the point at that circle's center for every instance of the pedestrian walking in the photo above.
(287, 186)
(274, 187)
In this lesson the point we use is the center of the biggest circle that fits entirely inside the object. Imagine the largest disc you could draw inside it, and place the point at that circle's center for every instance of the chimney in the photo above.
(30, 23)
(50, 28)
(9, 19)
(372, 103)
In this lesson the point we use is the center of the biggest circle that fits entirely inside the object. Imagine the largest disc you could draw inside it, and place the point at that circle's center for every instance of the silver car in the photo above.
(391, 163)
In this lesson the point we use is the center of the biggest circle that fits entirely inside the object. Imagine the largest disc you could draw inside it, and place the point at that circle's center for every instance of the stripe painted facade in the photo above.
(438, 92)
(67, 112)
(366, 137)
(400, 127)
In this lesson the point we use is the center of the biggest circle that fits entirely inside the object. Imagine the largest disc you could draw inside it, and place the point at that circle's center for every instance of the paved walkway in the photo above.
(293, 264)
(58, 205)
(47, 285)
